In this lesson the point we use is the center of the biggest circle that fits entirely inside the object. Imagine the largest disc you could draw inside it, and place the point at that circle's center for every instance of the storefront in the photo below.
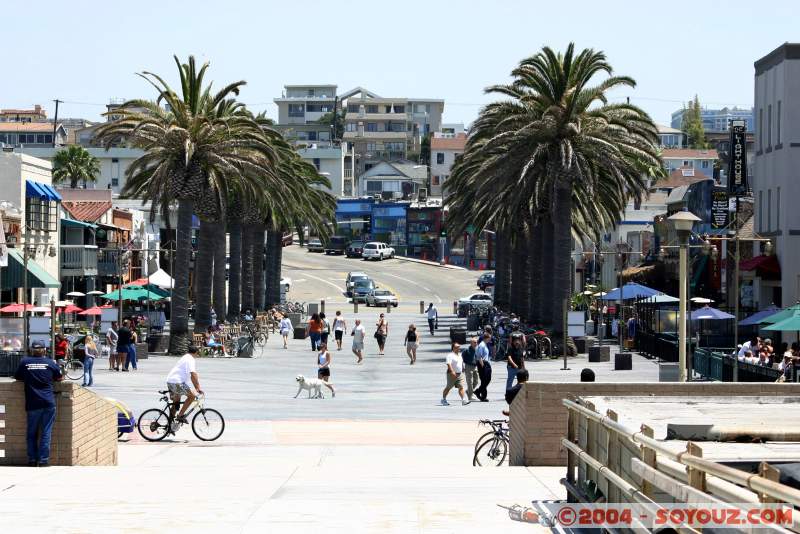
(354, 218)
(389, 225)
(424, 225)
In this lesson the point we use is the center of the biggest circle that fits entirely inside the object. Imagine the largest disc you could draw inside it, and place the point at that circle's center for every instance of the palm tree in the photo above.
(74, 164)
(558, 153)
(191, 154)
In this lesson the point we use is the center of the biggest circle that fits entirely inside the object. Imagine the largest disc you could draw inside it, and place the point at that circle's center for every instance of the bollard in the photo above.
(422, 306)
(455, 307)
(355, 306)
(322, 306)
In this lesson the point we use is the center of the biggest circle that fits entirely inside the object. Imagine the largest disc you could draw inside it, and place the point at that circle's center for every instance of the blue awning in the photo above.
(72, 222)
(41, 191)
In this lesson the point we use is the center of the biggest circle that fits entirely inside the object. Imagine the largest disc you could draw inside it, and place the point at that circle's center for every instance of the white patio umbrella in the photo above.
(701, 300)
(95, 292)
(76, 294)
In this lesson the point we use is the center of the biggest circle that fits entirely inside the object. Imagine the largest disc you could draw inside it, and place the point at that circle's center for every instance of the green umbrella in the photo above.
(781, 315)
(790, 324)
(132, 293)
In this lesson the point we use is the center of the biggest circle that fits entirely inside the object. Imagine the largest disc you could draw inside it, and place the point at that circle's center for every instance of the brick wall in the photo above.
(538, 419)
(85, 431)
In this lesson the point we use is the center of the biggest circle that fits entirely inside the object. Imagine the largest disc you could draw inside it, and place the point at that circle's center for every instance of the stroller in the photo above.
(126, 421)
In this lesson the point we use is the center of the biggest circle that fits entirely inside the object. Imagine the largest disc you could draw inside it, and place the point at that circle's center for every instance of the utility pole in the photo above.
(55, 121)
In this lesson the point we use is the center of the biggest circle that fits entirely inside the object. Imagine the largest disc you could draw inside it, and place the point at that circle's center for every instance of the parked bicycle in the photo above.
(492, 447)
(157, 423)
(71, 368)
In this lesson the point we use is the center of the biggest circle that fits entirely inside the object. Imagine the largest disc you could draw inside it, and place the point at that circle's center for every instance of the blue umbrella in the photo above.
(631, 290)
(758, 316)
(711, 314)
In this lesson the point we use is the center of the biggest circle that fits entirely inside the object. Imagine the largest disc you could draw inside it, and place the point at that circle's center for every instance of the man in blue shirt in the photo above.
(484, 367)
(39, 372)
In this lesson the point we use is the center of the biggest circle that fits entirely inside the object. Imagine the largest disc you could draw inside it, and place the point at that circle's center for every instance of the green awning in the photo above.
(72, 222)
(11, 276)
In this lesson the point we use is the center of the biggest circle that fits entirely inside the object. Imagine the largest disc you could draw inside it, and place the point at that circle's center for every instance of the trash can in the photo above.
(299, 332)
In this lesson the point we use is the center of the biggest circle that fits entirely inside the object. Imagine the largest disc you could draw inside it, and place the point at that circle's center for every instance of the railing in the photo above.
(348, 173)
(107, 263)
(79, 260)
(718, 366)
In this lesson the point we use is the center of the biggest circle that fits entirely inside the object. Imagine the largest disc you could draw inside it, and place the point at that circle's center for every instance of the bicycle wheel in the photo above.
(154, 424)
(208, 424)
(491, 452)
(261, 339)
(483, 438)
(73, 369)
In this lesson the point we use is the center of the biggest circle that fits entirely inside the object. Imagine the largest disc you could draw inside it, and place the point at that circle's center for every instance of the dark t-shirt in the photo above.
(517, 356)
(124, 337)
(411, 336)
(468, 355)
(38, 373)
(511, 393)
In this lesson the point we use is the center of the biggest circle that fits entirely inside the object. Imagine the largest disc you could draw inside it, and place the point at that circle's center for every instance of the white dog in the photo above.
(310, 384)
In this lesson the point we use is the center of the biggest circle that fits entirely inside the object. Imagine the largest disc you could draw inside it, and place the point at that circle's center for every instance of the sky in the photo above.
(86, 53)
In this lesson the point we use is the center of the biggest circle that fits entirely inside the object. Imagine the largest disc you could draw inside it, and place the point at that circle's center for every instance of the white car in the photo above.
(375, 250)
(477, 298)
(381, 297)
(286, 284)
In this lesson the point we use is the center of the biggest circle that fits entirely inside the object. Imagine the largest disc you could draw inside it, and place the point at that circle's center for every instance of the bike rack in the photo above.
(549, 346)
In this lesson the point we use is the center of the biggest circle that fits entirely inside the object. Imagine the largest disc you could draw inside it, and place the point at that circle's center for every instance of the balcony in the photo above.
(376, 136)
(107, 262)
(78, 260)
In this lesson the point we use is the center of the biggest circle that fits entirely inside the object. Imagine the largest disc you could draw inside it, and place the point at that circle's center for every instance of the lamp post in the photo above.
(683, 222)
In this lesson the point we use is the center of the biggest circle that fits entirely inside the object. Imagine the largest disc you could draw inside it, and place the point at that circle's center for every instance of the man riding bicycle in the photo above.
(180, 381)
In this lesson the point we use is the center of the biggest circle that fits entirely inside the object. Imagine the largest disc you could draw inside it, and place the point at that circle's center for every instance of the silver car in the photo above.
(381, 297)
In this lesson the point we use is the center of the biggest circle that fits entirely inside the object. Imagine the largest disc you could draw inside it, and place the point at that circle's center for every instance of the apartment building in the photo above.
(446, 144)
(387, 129)
(701, 160)
(671, 137)
(717, 120)
(777, 158)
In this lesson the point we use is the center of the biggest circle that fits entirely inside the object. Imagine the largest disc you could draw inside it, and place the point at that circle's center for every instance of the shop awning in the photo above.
(763, 265)
(72, 222)
(11, 277)
(42, 191)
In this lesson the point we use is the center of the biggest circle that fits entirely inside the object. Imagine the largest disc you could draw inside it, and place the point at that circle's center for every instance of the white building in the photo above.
(397, 180)
(446, 144)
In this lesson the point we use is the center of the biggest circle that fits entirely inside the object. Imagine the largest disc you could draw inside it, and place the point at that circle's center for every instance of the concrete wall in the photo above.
(85, 432)
(538, 419)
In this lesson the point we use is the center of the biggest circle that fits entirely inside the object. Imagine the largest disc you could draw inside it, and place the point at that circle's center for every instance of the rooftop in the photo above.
(782, 53)
(680, 177)
(86, 211)
(691, 153)
(459, 142)
(45, 127)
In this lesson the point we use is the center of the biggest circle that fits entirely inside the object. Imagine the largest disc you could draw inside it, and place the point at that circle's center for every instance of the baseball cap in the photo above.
(37, 345)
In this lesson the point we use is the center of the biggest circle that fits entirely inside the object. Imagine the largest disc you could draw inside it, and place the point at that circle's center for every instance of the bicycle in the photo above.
(155, 424)
(71, 368)
(492, 447)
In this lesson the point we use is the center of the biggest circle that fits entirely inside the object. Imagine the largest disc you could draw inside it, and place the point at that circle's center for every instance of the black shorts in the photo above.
(324, 372)
(338, 334)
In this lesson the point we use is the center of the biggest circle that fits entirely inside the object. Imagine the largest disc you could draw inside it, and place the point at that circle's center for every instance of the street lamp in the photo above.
(682, 222)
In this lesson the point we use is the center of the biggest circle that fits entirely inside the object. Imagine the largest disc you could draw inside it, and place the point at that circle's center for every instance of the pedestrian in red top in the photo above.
(62, 347)
(314, 331)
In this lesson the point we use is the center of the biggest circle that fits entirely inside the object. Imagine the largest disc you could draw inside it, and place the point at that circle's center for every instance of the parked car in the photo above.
(336, 245)
(375, 250)
(351, 279)
(287, 239)
(361, 288)
(485, 280)
(286, 284)
(476, 298)
(381, 297)
(354, 249)
(315, 245)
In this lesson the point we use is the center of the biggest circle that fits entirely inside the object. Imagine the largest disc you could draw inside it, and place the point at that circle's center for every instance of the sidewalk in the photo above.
(290, 476)
(433, 263)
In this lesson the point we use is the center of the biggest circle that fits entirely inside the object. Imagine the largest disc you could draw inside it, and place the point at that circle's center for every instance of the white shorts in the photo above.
(284, 332)
(358, 345)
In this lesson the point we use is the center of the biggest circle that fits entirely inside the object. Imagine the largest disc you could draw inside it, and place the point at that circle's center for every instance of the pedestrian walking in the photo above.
(111, 339)
(483, 357)
(358, 333)
(324, 367)
(522, 377)
(339, 327)
(471, 367)
(455, 375)
(314, 331)
(326, 328)
(285, 329)
(124, 340)
(38, 373)
(130, 359)
(433, 317)
(90, 349)
(61, 347)
(412, 342)
(516, 359)
(381, 331)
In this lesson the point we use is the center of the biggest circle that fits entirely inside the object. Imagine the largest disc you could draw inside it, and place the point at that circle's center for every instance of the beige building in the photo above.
(446, 144)
(37, 114)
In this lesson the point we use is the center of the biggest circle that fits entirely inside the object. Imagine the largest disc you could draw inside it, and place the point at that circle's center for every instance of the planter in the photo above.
(299, 332)
(599, 354)
(623, 361)
(142, 351)
(156, 343)
(580, 345)
(668, 372)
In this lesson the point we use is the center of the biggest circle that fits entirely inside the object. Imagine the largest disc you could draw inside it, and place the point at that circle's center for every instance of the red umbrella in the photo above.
(71, 309)
(15, 308)
(92, 311)
(138, 282)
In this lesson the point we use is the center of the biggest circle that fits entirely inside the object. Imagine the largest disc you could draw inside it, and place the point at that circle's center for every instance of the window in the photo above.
(297, 110)
(769, 126)
(399, 108)
(319, 108)
(387, 108)
(372, 146)
(114, 172)
(312, 136)
(420, 108)
(760, 131)
(40, 139)
(435, 180)
(705, 164)
(394, 146)
(778, 125)
(374, 186)
(310, 92)
(41, 214)
(316, 163)
(372, 108)
(372, 127)
(352, 108)
(440, 158)
(350, 127)
(769, 210)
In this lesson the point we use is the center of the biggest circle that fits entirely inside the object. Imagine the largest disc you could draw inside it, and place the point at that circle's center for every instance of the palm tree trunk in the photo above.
(235, 274)
(179, 322)
(502, 270)
(535, 268)
(220, 271)
(273, 275)
(562, 250)
(247, 267)
(545, 249)
(258, 266)
(519, 275)
(203, 277)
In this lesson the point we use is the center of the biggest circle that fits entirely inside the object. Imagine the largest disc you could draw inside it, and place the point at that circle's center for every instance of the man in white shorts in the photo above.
(180, 381)
(358, 334)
